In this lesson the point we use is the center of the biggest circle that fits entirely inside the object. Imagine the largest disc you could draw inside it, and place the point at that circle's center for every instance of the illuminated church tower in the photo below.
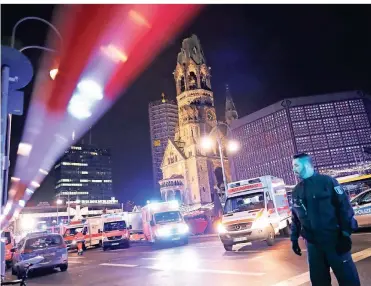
(190, 173)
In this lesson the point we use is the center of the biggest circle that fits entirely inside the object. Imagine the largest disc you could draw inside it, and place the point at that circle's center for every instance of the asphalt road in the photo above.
(202, 262)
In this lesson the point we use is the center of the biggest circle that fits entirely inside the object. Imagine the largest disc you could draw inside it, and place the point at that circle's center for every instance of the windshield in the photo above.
(73, 231)
(173, 216)
(248, 202)
(114, 225)
(44, 242)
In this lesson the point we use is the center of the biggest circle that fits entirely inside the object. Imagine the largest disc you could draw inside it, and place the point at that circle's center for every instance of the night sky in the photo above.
(264, 52)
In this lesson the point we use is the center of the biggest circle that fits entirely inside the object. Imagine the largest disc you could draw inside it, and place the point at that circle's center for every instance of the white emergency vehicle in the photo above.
(255, 210)
(115, 232)
(163, 222)
(88, 228)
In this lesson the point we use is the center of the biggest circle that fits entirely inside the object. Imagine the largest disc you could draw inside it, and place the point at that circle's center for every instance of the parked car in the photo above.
(49, 246)
(362, 208)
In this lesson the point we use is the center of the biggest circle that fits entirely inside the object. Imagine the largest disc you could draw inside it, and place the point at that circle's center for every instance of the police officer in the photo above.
(323, 216)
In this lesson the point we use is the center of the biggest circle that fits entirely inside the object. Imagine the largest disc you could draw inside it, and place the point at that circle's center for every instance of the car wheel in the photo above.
(19, 273)
(286, 230)
(127, 244)
(185, 241)
(105, 248)
(228, 247)
(270, 237)
(64, 267)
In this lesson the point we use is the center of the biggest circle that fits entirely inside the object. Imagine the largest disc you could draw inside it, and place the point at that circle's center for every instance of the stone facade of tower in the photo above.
(230, 110)
(190, 173)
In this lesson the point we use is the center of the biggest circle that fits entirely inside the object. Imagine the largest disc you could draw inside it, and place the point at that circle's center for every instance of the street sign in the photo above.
(15, 102)
(20, 67)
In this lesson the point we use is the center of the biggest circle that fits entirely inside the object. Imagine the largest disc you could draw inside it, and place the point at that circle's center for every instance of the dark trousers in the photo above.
(321, 258)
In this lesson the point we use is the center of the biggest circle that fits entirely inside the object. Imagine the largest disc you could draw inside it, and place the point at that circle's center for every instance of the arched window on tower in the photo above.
(182, 84)
(192, 80)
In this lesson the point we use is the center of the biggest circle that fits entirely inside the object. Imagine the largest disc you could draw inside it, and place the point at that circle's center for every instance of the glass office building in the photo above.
(333, 128)
(84, 173)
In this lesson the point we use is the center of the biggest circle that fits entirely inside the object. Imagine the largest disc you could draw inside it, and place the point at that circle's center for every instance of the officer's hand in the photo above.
(344, 244)
(296, 247)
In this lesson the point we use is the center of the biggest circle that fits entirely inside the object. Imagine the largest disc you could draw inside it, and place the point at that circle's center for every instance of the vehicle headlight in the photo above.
(221, 228)
(183, 228)
(105, 239)
(163, 231)
(73, 242)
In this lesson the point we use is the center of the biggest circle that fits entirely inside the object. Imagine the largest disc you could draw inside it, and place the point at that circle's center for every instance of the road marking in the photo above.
(211, 246)
(212, 260)
(150, 258)
(215, 271)
(74, 262)
(75, 257)
(118, 265)
(114, 250)
(304, 277)
(360, 233)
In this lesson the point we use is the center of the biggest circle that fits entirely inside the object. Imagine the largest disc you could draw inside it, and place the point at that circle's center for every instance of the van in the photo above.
(255, 210)
(163, 222)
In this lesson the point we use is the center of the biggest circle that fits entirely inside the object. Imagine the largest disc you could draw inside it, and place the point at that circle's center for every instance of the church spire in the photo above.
(230, 109)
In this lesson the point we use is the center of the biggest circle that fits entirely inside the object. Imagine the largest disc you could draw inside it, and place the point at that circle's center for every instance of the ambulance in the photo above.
(134, 219)
(88, 227)
(115, 231)
(163, 222)
(255, 210)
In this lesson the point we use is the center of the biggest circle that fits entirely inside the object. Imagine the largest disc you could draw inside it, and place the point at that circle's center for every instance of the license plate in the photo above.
(49, 254)
(243, 238)
(176, 238)
(116, 243)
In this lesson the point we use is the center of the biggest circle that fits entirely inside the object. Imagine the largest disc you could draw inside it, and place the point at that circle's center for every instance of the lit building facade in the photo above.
(84, 173)
(163, 119)
(332, 128)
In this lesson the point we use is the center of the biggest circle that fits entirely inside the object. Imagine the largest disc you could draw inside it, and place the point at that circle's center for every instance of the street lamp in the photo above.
(232, 146)
(59, 202)
(53, 73)
(12, 43)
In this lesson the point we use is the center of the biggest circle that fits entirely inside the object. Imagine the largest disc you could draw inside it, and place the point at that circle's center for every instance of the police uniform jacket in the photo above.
(320, 210)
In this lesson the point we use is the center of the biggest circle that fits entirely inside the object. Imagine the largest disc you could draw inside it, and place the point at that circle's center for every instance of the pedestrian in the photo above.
(323, 216)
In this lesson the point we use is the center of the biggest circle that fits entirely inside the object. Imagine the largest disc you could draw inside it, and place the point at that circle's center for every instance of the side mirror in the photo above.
(152, 223)
(130, 227)
(14, 249)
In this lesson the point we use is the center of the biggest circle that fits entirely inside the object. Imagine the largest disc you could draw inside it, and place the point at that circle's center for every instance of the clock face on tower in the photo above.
(210, 115)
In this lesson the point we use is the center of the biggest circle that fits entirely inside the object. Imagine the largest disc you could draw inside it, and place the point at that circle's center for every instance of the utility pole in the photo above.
(16, 73)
